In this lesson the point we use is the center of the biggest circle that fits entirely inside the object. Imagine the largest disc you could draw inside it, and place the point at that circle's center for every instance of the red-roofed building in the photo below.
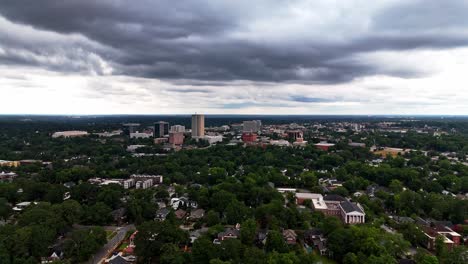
(249, 137)
(451, 238)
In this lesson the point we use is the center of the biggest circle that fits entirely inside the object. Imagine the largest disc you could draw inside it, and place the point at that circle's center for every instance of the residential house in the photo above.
(197, 214)
(117, 259)
(183, 202)
(290, 236)
(228, 233)
(315, 237)
(52, 258)
(162, 213)
(180, 214)
(261, 237)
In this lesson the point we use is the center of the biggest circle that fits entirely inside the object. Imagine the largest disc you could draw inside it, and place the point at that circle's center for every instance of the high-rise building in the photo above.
(178, 128)
(130, 128)
(253, 126)
(198, 126)
(161, 129)
(176, 138)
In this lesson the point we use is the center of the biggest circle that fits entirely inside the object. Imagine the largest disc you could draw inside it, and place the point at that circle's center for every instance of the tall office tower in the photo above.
(161, 129)
(130, 128)
(198, 126)
(253, 126)
(177, 128)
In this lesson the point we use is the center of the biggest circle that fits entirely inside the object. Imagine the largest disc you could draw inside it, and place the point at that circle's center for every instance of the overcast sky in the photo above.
(235, 57)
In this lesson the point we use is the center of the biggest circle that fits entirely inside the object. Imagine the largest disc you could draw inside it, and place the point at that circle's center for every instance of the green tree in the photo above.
(171, 254)
(248, 231)
(275, 242)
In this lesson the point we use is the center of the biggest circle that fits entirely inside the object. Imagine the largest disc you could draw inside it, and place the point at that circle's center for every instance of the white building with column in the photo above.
(352, 213)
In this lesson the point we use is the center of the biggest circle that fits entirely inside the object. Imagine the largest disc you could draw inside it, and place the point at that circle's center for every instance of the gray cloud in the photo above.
(198, 41)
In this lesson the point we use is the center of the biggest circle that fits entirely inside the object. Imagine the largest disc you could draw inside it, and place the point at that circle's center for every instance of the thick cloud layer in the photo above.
(262, 56)
(274, 41)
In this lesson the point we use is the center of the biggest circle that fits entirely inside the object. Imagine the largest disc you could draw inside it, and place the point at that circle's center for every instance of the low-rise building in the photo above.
(7, 176)
(9, 163)
(140, 135)
(325, 146)
(450, 237)
(127, 184)
(213, 139)
(72, 133)
(145, 184)
(316, 199)
(352, 213)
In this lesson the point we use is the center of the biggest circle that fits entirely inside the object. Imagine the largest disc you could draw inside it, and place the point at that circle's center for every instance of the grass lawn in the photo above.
(324, 260)
(123, 246)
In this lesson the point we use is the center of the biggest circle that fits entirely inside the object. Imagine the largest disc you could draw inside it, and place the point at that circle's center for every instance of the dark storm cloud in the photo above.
(191, 40)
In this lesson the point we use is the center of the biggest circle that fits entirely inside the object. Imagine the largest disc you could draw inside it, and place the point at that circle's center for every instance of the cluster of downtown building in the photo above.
(174, 136)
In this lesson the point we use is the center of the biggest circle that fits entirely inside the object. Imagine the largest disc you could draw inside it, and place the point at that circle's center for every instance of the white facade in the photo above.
(214, 139)
(140, 135)
(352, 213)
(127, 184)
(281, 143)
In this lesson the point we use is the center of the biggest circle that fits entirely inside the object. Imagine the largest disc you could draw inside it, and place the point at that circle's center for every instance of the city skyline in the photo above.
(220, 57)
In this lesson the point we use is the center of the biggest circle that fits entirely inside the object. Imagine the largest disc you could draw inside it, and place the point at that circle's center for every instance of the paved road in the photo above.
(101, 255)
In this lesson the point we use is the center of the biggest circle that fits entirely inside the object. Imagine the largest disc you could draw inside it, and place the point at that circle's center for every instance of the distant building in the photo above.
(281, 143)
(140, 135)
(133, 148)
(156, 179)
(161, 129)
(109, 134)
(7, 176)
(176, 138)
(254, 126)
(324, 146)
(198, 126)
(296, 135)
(8, 163)
(127, 184)
(71, 133)
(249, 137)
(237, 127)
(130, 128)
(144, 184)
(160, 140)
(213, 139)
(357, 145)
(177, 128)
